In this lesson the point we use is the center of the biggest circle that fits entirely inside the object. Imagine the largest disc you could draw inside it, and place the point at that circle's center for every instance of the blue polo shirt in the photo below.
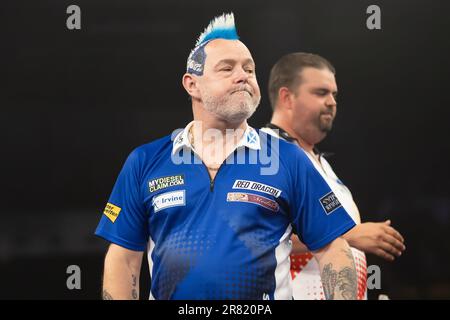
(227, 238)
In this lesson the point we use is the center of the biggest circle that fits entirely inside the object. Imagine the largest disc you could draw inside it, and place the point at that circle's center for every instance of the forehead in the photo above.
(221, 49)
(318, 77)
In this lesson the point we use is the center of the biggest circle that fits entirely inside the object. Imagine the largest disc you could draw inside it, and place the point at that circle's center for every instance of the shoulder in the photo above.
(289, 157)
(287, 151)
(147, 152)
(154, 146)
(273, 140)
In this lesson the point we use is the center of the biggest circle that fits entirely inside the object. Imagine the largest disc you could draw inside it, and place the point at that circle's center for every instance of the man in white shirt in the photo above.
(303, 90)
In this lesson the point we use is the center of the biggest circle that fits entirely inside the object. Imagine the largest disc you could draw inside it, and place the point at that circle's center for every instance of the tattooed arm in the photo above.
(121, 274)
(337, 270)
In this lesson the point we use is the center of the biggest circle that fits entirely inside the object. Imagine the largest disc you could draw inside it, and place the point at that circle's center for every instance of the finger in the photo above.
(383, 254)
(393, 233)
(390, 244)
(394, 242)
(387, 222)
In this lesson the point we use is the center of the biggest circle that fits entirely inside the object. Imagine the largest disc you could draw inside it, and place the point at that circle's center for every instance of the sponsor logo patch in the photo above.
(169, 199)
(253, 198)
(330, 202)
(111, 211)
(165, 182)
(256, 186)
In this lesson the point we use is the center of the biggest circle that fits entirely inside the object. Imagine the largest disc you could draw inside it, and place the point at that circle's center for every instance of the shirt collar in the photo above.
(250, 139)
(182, 139)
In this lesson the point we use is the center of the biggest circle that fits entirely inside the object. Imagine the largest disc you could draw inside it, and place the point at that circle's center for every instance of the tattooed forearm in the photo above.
(342, 283)
(329, 281)
(106, 295)
(349, 254)
(134, 293)
(347, 283)
(348, 279)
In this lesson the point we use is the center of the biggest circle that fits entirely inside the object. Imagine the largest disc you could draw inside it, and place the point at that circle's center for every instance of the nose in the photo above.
(331, 101)
(241, 76)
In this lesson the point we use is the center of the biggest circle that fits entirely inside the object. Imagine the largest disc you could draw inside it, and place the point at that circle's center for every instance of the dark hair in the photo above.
(287, 72)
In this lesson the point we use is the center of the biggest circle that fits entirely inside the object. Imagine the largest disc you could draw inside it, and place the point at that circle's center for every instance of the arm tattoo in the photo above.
(328, 281)
(134, 294)
(345, 281)
(349, 255)
(106, 295)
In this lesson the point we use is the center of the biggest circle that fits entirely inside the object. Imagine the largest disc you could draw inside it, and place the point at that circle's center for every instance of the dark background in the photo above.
(74, 103)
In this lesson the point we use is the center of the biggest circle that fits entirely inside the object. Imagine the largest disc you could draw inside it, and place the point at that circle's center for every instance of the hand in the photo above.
(378, 238)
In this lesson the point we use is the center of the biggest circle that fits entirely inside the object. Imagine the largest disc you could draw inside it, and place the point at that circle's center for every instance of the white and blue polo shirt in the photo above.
(228, 238)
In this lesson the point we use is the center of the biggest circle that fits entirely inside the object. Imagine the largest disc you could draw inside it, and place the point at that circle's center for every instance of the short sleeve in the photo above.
(318, 216)
(124, 220)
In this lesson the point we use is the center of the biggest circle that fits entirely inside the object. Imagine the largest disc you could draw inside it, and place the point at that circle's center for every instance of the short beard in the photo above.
(230, 107)
(325, 126)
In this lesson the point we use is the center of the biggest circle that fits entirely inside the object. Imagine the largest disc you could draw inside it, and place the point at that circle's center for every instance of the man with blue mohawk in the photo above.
(214, 220)
(220, 76)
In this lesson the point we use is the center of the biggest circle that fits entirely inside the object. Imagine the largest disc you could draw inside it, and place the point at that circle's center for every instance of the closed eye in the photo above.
(324, 92)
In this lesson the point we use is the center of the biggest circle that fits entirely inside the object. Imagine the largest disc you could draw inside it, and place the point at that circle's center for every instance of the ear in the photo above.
(190, 85)
(284, 98)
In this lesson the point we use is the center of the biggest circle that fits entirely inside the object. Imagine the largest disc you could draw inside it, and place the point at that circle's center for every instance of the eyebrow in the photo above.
(233, 62)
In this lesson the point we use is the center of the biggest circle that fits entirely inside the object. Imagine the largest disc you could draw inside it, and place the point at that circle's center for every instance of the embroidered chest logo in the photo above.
(256, 186)
(253, 198)
(169, 199)
(165, 182)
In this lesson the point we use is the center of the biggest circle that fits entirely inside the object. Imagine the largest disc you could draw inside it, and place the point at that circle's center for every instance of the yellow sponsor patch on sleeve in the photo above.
(111, 211)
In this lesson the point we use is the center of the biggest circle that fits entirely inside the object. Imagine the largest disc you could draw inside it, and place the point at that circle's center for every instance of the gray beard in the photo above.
(229, 110)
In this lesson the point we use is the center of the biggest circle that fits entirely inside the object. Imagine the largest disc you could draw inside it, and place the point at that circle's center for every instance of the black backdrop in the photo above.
(74, 103)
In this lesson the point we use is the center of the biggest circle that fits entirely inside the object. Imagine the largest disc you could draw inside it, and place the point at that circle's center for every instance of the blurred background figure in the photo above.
(303, 94)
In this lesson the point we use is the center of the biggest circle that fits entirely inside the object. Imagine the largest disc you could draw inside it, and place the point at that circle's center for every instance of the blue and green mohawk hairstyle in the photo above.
(221, 27)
